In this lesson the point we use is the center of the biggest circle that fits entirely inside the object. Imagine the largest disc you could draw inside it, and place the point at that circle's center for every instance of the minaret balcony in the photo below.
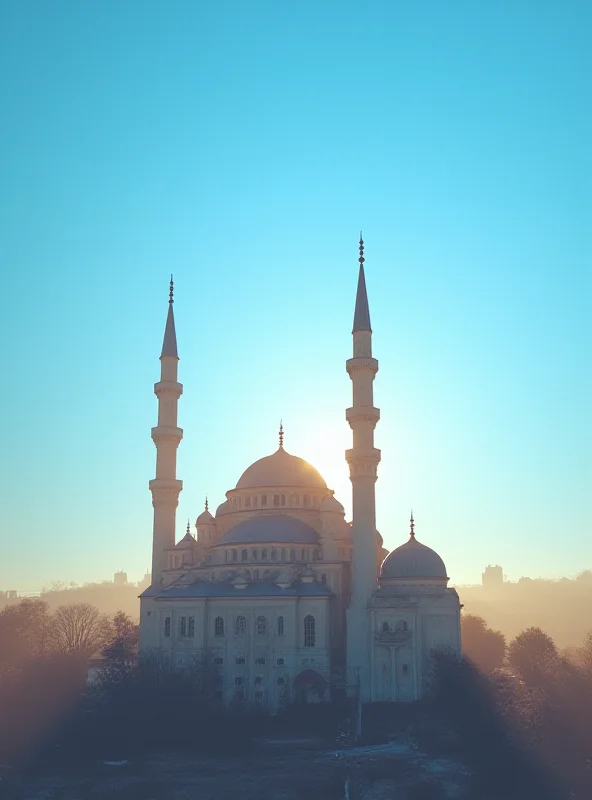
(361, 364)
(165, 491)
(173, 388)
(166, 434)
(362, 462)
(362, 415)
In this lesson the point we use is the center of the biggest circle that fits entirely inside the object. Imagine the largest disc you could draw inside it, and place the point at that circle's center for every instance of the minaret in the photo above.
(363, 461)
(166, 436)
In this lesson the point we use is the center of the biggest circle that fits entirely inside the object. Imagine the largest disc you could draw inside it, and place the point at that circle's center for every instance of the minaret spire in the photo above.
(281, 435)
(362, 311)
(169, 343)
(412, 525)
(166, 436)
(363, 459)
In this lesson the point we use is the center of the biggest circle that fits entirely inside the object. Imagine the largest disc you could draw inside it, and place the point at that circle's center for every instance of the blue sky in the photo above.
(242, 146)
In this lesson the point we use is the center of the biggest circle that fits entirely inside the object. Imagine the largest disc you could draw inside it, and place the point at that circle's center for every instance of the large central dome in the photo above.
(281, 469)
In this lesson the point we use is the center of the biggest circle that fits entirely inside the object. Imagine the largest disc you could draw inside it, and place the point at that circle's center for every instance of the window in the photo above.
(167, 626)
(280, 626)
(239, 680)
(239, 660)
(261, 626)
(292, 555)
(218, 660)
(402, 625)
(182, 626)
(244, 555)
(258, 680)
(404, 669)
(239, 695)
(260, 661)
(218, 626)
(259, 697)
(254, 502)
(240, 626)
(309, 631)
(283, 499)
(283, 555)
(226, 556)
(324, 578)
(306, 500)
(280, 681)
(280, 662)
(263, 499)
(276, 500)
(247, 502)
(234, 555)
(255, 574)
(303, 554)
(385, 627)
(255, 555)
(274, 554)
(264, 554)
(190, 626)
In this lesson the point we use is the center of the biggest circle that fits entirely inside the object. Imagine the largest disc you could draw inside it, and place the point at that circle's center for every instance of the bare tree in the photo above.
(80, 629)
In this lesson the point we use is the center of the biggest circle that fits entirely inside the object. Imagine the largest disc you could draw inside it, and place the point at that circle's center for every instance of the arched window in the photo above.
(263, 499)
(276, 500)
(402, 625)
(255, 574)
(234, 555)
(306, 500)
(404, 669)
(167, 626)
(240, 626)
(292, 555)
(247, 502)
(274, 554)
(309, 631)
(283, 499)
(255, 555)
(324, 578)
(218, 626)
(264, 554)
(283, 554)
(244, 555)
(385, 627)
(303, 554)
(226, 558)
(280, 626)
(254, 502)
(261, 626)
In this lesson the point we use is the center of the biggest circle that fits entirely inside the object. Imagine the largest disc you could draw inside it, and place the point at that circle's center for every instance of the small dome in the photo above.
(205, 518)
(267, 529)
(413, 560)
(223, 508)
(281, 469)
(330, 503)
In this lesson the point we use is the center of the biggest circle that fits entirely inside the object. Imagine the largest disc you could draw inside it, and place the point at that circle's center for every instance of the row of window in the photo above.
(187, 627)
(272, 554)
(241, 661)
(258, 680)
(275, 501)
(400, 626)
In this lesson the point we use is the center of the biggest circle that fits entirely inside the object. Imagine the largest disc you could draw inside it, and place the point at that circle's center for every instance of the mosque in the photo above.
(285, 596)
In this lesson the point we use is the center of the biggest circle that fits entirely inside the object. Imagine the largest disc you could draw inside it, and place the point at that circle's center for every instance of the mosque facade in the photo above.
(276, 589)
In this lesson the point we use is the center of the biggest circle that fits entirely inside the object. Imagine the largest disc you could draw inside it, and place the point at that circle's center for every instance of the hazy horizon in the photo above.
(242, 148)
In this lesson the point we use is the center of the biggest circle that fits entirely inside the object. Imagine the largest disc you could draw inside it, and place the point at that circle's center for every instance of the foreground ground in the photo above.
(295, 770)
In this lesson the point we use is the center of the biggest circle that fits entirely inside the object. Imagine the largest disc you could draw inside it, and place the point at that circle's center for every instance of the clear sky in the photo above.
(242, 146)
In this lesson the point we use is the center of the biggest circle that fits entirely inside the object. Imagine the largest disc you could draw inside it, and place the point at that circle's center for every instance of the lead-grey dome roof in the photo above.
(281, 469)
(413, 560)
(265, 529)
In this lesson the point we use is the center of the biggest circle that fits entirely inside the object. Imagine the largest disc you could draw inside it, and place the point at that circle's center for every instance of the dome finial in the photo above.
(412, 525)
(171, 290)
(188, 528)
(361, 259)
(207, 509)
(281, 435)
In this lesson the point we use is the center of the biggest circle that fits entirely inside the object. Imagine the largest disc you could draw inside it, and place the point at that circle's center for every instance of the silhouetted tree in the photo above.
(121, 652)
(80, 630)
(532, 654)
(485, 647)
(585, 652)
(26, 633)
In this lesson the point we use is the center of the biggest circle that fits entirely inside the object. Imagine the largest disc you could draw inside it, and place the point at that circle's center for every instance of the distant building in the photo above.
(492, 577)
(12, 594)
(120, 578)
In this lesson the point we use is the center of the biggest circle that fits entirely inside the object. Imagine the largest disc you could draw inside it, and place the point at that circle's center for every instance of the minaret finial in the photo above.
(412, 525)
(207, 509)
(361, 312)
(281, 434)
(361, 259)
(171, 290)
(188, 528)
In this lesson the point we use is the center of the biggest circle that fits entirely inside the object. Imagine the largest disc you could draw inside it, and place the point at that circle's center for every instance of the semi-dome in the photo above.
(265, 529)
(413, 560)
(281, 469)
(330, 503)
